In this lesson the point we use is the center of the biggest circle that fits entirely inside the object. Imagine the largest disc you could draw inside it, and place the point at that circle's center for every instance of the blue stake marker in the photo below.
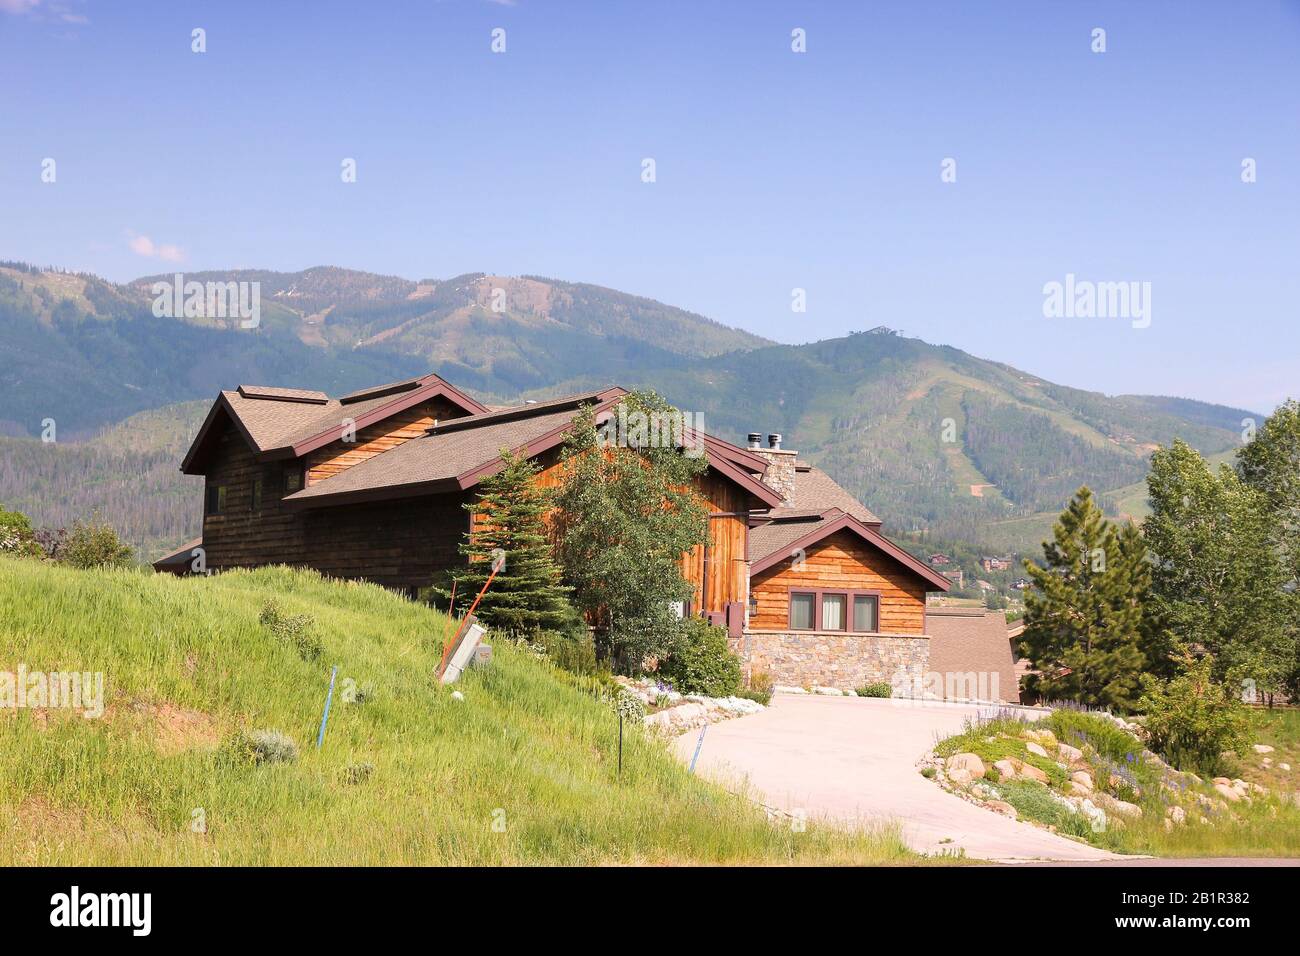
(326, 716)
(698, 744)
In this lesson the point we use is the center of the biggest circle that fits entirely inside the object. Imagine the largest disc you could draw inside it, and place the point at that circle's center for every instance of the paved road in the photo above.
(854, 760)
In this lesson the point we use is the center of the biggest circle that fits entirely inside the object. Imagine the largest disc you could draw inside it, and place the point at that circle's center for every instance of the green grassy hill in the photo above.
(187, 665)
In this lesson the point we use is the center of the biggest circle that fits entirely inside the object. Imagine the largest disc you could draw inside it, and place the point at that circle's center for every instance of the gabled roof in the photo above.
(972, 640)
(814, 490)
(289, 423)
(772, 543)
(459, 453)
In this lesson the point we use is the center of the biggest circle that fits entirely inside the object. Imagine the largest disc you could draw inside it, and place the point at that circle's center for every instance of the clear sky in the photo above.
(775, 170)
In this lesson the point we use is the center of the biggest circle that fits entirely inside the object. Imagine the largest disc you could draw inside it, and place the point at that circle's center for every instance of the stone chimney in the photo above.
(780, 466)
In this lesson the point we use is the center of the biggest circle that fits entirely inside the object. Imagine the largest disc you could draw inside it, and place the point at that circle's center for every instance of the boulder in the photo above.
(1263, 749)
(1227, 792)
(1005, 768)
(1002, 807)
(960, 776)
(1069, 754)
(968, 762)
(1043, 736)
(1078, 790)
(1030, 772)
(1037, 749)
(1083, 779)
(1177, 814)
(1284, 766)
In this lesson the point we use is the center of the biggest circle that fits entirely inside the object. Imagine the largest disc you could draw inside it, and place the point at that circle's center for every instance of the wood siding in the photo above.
(843, 561)
(377, 438)
(399, 544)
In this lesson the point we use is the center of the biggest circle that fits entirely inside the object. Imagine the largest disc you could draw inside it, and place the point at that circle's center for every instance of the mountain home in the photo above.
(372, 485)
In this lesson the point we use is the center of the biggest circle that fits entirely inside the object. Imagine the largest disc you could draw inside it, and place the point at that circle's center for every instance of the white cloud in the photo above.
(144, 246)
(18, 6)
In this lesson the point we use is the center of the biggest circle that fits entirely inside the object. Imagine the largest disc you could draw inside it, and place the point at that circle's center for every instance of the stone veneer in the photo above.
(780, 474)
(835, 659)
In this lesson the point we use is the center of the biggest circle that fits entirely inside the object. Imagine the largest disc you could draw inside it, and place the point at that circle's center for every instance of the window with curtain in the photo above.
(801, 612)
(866, 613)
(833, 611)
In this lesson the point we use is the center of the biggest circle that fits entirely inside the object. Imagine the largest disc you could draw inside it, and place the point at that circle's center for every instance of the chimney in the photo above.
(780, 464)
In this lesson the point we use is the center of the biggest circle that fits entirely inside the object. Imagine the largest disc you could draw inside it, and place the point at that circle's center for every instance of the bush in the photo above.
(357, 773)
(94, 544)
(881, 689)
(699, 662)
(17, 536)
(759, 690)
(575, 653)
(1191, 720)
(260, 746)
(293, 630)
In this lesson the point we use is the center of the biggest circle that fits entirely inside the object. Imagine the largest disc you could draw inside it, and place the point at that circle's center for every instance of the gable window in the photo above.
(257, 495)
(292, 478)
(854, 612)
(801, 611)
(216, 499)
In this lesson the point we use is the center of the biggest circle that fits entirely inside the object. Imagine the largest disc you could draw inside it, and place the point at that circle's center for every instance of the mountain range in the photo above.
(943, 445)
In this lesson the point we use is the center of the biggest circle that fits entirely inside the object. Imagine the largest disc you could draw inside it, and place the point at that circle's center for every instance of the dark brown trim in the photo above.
(440, 486)
(847, 522)
(818, 593)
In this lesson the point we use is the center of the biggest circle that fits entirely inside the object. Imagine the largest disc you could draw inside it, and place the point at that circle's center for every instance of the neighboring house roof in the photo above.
(771, 543)
(460, 452)
(178, 561)
(289, 423)
(972, 640)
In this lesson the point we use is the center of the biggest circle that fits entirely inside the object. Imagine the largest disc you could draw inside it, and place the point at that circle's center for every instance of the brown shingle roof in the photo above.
(816, 490)
(965, 641)
(777, 536)
(441, 456)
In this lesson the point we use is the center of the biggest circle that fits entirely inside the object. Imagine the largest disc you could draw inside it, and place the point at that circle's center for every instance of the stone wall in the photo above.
(835, 659)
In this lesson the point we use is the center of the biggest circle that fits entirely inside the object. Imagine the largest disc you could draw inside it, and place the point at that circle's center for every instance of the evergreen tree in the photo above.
(629, 510)
(1085, 620)
(508, 518)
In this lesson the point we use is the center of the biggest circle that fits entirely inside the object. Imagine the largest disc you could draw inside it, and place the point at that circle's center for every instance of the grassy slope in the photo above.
(186, 663)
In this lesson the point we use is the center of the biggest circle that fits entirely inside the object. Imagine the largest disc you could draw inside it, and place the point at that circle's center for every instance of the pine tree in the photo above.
(1085, 622)
(509, 518)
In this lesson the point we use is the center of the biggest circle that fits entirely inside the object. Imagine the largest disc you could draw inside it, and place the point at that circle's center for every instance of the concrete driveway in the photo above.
(853, 760)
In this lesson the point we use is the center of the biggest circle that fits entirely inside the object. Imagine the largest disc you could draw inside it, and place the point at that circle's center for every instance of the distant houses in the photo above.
(989, 563)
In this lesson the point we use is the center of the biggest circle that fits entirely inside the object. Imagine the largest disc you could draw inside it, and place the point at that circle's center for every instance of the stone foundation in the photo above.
(835, 659)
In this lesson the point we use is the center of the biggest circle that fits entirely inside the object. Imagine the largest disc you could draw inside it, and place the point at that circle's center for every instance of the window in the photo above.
(833, 612)
(855, 612)
(216, 499)
(866, 609)
(292, 478)
(257, 495)
(801, 611)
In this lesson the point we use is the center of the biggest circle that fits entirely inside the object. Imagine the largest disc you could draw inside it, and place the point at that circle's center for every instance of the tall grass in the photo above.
(522, 771)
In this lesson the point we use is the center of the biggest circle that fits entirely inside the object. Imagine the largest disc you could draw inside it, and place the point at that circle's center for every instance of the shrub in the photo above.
(260, 746)
(699, 662)
(629, 706)
(94, 544)
(293, 630)
(357, 773)
(881, 689)
(17, 536)
(574, 652)
(928, 772)
(1192, 720)
(759, 690)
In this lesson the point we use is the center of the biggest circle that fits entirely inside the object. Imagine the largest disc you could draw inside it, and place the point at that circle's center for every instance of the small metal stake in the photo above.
(326, 716)
(620, 745)
(698, 744)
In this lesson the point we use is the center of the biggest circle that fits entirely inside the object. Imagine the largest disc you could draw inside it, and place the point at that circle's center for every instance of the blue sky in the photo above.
(774, 170)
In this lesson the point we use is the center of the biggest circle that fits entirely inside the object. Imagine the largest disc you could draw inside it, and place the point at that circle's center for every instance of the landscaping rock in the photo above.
(1005, 768)
(1037, 749)
(1030, 772)
(828, 691)
(784, 689)
(1083, 779)
(1263, 749)
(1227, 792)
(1002, 807)
(968, 762)
(1069, 754)
(1284, 766)
(1176, 814)
(960, 776)
(1120, 807)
